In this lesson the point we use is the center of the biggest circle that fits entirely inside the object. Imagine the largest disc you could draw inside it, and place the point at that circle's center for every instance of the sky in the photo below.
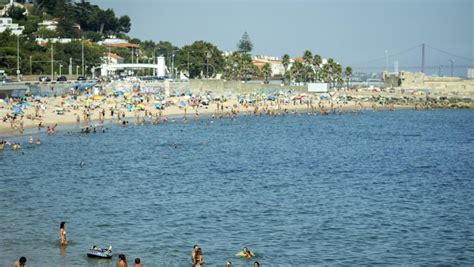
(360, 33)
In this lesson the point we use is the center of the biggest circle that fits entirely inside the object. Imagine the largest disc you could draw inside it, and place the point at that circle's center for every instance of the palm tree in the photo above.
(297, 71)
(308, 57)
(286, 62)
(317, 61)
(348, 74)
(266, 71)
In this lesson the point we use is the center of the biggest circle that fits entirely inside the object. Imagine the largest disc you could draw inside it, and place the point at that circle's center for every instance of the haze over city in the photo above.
(353, 32)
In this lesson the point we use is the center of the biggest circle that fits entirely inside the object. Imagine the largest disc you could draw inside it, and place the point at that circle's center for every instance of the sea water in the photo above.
(368, 188)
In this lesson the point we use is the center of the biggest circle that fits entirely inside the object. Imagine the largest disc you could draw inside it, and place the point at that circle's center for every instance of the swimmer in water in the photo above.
(193, 254)
(21, 262)
(247, 253)
(62, 234)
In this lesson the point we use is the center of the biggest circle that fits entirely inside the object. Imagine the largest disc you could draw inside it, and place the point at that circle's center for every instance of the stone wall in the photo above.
(221, 86)
(438, 85)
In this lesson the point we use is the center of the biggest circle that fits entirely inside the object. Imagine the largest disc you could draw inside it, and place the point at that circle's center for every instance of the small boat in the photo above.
(97, 252)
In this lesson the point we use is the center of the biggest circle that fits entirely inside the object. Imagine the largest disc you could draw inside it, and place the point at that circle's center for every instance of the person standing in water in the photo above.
(122, 262)
(62, 234)
(21, 262)
(193, 254)
(198, 258)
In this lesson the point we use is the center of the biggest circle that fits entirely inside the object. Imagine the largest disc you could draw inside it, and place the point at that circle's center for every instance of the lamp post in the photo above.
(452, 66)
(52, 60)
(83, 56)
(18, 57)
(208, 56)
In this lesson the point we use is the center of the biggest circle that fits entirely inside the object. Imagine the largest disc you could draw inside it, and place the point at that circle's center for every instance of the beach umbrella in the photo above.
(182, 104)
(17, 110)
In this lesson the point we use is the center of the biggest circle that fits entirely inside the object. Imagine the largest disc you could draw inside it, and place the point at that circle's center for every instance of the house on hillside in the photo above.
(7, 24)
(113, 58)
(50, 25)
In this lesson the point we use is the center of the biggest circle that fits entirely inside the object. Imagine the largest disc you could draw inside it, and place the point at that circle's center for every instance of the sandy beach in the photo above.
(87, 110)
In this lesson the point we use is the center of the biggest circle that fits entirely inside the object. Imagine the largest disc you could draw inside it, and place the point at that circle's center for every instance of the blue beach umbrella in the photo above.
(17, 110)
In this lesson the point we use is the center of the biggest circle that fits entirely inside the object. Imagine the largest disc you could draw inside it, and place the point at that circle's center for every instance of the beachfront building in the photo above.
(112, 58)
(275, 64)
(7, 24)
(121, 43)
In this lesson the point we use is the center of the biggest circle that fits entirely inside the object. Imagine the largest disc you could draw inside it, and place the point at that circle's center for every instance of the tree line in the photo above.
(200, 59)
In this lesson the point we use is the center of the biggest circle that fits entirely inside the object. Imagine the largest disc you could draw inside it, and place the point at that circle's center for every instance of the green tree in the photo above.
(124, 24)
(285, 61)
(307, 57)
(297, 70)
(202, 58)
(348, 74)
(317, 61)
(16, 13)
(245, 45)
(238, 66)
(266, 71)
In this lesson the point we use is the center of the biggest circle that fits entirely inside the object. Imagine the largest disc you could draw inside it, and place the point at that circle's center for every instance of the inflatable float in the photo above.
(97, 252)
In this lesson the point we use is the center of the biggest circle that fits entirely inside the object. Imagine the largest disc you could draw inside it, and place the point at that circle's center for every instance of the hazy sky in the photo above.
(351, 31)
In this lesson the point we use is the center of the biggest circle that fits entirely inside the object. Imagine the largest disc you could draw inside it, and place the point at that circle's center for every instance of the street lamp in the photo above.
(208, 56)
(18, 57)
(452, 65)
(83, 56)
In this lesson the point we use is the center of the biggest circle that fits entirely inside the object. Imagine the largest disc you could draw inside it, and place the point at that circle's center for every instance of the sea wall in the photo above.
(221, 86)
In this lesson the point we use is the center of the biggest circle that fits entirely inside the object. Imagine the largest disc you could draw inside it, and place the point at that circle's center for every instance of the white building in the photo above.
(43, 41)
(470, 73)
(113, 58)
(50, 25)
(6, 24)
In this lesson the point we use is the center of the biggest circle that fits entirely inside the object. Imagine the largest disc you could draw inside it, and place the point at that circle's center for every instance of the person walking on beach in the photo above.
(21, 262)
(122, 262)
(62, 234)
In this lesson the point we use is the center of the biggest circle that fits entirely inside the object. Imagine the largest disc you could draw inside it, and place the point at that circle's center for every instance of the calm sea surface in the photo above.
(386, 188)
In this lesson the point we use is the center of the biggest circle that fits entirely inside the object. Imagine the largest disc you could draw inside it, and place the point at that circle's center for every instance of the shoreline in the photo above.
(149, 113)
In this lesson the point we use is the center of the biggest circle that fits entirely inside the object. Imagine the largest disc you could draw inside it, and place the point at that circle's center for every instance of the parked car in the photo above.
(81, 78)
(61, 79)
(44, 79)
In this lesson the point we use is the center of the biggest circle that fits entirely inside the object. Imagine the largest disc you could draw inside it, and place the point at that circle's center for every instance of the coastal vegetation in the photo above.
(87, 24)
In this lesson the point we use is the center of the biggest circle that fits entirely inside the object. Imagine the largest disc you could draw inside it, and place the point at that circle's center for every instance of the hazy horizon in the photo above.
(352, 32)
